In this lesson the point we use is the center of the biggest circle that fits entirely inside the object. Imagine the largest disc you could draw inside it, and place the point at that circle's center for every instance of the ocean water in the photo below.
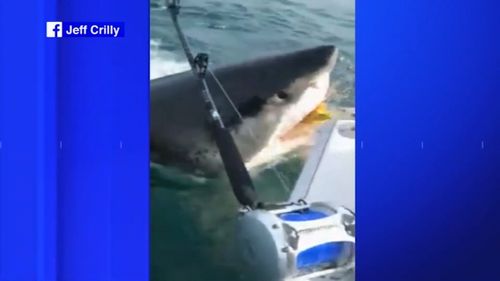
(192, 219)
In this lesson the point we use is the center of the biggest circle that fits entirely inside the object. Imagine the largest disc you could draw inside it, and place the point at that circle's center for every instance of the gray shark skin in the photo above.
(269, 92)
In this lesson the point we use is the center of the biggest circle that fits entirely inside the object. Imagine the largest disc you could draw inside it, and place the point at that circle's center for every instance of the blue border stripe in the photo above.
(93, 197)
(103, 124)
(427, 72)
(41, 145)
(50, 147)
(19, 79)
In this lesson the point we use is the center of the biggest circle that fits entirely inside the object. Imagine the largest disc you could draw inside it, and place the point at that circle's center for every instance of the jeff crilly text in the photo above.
(85, 29)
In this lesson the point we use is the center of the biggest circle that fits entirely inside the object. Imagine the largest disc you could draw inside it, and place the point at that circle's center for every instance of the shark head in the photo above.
(263, 102)
(278, 96)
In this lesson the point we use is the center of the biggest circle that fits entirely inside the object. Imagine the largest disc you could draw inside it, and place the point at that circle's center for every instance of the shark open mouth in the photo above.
(318, 116)
(296, 139)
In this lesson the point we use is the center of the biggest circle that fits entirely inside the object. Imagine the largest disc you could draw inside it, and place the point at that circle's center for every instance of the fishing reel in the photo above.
(298, 241)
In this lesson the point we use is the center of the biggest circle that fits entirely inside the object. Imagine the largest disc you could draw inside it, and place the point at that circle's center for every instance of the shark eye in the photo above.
(282, 95)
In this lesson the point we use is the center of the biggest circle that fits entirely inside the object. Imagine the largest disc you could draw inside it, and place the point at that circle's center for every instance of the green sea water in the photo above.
(192, 219)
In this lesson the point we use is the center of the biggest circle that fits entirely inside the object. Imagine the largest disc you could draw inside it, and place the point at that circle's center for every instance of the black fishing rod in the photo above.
(236, 171)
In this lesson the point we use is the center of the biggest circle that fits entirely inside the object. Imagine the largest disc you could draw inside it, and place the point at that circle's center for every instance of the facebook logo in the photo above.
(54, 29)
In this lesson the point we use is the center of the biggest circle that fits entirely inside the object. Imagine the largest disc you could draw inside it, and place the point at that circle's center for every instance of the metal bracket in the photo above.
(201, 63)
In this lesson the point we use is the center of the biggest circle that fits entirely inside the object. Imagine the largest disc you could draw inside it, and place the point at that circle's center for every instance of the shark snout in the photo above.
(329, 55)
(317, 59)
(327, 51)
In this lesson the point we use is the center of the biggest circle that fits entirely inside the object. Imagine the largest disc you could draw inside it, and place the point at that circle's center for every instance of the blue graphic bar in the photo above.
(74, 158)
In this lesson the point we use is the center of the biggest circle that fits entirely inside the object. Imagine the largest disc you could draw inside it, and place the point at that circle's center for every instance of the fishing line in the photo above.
(250, 131)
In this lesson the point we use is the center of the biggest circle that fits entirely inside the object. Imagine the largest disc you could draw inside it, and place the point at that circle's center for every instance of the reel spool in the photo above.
(296, 242)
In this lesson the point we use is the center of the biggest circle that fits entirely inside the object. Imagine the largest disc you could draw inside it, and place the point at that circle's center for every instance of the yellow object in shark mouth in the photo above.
(303, 131)
(319, 115)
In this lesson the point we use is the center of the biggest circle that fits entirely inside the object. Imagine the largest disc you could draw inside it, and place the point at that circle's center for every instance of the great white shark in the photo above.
(273, 94)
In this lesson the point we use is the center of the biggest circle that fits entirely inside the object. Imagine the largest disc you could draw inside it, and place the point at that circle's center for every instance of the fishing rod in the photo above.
(236, 171)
